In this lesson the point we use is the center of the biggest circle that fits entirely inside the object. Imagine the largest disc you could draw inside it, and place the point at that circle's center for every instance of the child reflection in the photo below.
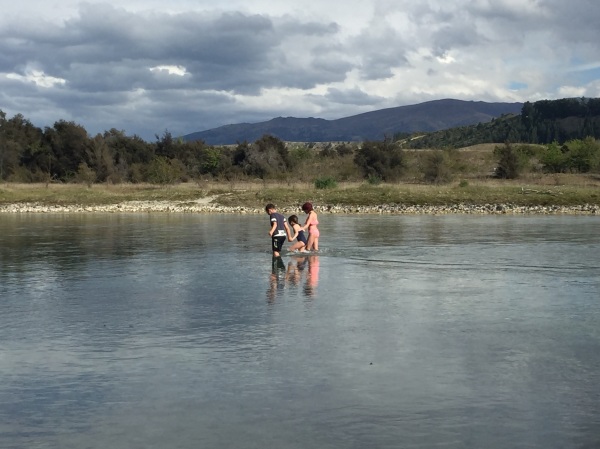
(300, 272)
(276, 278)
(295, 270)
(312, 278)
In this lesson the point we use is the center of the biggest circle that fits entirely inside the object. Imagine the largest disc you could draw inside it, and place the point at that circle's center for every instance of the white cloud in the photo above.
(37, 77)
(170, 69)
(571, 91)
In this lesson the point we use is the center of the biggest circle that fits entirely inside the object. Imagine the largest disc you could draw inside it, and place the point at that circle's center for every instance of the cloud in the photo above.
(38, 78)
(353, 96)
(193, 65)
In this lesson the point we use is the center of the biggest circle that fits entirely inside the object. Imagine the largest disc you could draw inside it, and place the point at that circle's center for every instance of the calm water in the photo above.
(177, 331)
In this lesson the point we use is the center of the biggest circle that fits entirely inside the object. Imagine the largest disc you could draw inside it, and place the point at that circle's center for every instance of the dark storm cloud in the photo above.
(109, 39)
(106, 48)
(110, 58)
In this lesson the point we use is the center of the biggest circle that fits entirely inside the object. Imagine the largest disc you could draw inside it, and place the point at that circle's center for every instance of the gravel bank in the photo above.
(212, 208)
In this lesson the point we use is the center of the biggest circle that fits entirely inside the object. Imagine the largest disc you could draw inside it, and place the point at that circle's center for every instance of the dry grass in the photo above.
(485, 192)
(474, 162)
(471, 168)
(97, 194)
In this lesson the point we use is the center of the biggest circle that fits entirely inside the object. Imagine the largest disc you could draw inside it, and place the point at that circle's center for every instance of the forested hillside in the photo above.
(542, 122)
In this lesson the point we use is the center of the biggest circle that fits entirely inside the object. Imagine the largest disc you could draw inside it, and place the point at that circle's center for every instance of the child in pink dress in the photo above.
(311, 223)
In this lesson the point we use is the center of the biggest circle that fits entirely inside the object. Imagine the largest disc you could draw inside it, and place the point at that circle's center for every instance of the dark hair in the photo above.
(293, 219)
(269, 206)
(307, 207)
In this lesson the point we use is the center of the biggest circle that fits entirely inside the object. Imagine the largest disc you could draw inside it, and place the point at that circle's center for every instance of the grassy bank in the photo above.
(98, 194)
(562, 190)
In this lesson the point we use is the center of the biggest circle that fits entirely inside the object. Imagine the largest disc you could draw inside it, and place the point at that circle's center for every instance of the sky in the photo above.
(182, 66)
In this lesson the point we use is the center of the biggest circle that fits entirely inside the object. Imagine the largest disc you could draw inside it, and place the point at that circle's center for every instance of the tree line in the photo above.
(65, 152)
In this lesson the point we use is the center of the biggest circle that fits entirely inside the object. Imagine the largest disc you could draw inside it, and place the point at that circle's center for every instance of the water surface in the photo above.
(178, 331)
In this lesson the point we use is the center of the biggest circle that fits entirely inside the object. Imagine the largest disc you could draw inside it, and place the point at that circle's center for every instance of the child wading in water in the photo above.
(311, 223)
(279, 229)
(298, 234)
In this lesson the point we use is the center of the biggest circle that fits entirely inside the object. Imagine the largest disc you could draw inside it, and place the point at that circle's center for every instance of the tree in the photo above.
(69, 142)
(101, 160)
(267, 156)
(380, 159)
(210, 161)
(554, 159)
(128, 150)
(17, 134)
(85, 175)
(509, 165)
(436, 167)
(583, 155)
(162, 171)
(165, 145)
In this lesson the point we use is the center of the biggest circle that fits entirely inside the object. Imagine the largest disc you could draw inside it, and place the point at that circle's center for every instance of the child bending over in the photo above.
(298, 234)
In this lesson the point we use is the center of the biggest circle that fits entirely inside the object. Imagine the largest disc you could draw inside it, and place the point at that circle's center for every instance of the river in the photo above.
(179, 331)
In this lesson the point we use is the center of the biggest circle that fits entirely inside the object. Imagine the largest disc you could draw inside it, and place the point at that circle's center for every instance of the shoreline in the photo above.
(565, 195)
(209, 207)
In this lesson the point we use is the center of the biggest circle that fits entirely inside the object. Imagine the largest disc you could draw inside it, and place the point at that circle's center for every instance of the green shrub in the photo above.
(554, 159)
(301, 153)
(344, 150)
(437, 168)
(325, 183)
(328, 151)
(383, 159)
(463, 183)
(162, 171)
(510, 161)
(21, 174)
(576, 156)
(85, 175)
(374, 180)
(583, 155)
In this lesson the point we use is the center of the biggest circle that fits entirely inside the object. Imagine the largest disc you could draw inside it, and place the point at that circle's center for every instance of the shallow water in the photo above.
(178, 331)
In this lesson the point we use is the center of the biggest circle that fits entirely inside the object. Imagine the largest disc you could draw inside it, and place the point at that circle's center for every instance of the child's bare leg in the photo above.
(298, 246)
(310, 242)
(316, 244)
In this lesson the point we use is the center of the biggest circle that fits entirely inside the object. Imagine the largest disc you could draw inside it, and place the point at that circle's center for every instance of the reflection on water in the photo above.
(153, 331)
(301, 272)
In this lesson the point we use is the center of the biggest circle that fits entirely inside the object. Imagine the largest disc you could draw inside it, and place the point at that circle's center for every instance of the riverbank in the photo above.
(581, 197)
(212, 208)
(161, 207)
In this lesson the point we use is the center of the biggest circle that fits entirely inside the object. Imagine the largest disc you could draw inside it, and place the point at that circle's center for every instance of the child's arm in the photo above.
(288, 232)
(273, 227)
(292, 237)
(306, 222)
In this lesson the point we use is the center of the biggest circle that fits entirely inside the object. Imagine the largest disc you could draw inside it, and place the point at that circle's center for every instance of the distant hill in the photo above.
(542, 122)
(423, 117)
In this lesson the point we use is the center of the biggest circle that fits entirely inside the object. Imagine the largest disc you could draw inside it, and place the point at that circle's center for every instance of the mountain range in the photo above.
(429, 116)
